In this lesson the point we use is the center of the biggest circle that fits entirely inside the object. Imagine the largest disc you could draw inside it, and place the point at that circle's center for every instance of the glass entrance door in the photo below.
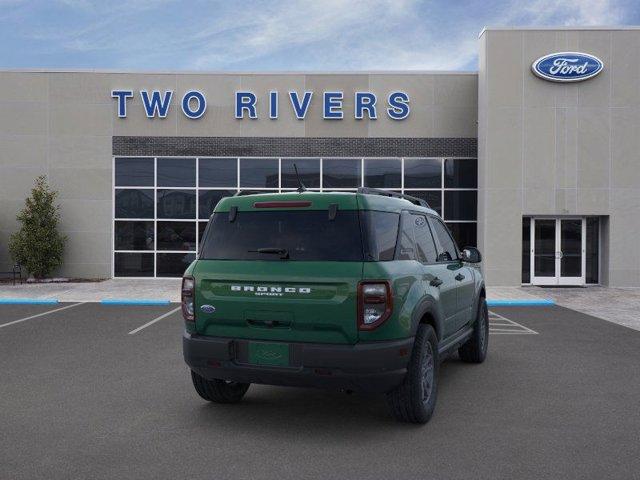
(558, 251)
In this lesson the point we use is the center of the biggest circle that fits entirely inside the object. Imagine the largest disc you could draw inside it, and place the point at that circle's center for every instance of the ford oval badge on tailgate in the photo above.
(567, 67)
(207, 308)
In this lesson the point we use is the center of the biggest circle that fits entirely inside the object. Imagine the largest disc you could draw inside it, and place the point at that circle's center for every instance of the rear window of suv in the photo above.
(307, 235)
(304, 235)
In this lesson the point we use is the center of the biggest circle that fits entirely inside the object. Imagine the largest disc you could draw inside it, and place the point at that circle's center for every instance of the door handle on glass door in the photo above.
(459, 277)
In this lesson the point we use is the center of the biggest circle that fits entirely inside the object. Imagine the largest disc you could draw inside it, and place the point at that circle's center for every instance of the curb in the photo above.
(28, 301)
(137, 301)
(521, 303)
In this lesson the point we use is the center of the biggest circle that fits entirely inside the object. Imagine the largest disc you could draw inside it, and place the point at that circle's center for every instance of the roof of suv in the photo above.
(320, 201)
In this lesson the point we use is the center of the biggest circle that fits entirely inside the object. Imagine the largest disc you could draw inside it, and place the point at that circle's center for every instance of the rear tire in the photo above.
(219, 391)
(475, 349)
(415, 399)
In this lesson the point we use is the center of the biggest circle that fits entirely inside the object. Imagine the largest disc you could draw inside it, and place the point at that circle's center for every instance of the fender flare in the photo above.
(427, 305)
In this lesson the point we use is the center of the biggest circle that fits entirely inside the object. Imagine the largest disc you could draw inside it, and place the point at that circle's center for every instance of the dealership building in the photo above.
(534, 158)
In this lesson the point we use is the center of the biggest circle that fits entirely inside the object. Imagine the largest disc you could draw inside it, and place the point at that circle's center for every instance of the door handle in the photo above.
(436, 282)
(459, 277)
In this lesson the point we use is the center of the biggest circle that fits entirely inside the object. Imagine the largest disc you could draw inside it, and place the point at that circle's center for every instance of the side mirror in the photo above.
(471, 255)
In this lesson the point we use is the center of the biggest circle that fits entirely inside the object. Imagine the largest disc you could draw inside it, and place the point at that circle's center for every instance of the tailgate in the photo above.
(296, 301)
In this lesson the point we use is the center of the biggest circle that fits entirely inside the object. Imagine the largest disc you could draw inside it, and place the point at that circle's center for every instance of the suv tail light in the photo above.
(188, 284)
(375, 303)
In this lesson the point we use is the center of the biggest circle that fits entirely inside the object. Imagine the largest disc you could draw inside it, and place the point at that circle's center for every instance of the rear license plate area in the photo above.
(269, 354)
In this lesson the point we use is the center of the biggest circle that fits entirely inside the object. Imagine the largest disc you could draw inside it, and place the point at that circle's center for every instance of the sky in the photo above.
(275, 35)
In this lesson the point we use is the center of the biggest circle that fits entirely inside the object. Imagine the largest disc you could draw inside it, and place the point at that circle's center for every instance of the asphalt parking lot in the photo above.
(87, 393)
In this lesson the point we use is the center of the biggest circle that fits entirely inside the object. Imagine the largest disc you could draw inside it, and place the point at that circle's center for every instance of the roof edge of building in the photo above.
(562, 27)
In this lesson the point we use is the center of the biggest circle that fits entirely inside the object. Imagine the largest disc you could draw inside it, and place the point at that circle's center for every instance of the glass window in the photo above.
(422, 173)
(432, 197)
(425, 244)
(201, 227)
(460, 173)
(218, 172)
(176, 172)
(460, 205)
(176, 236)
(176, 204)
(382, 173)
(259, 172)
(340, 173)
(134, 235)
(304, 235)
(406, 245)
(447, 250)
(465, 234)
(208, 199)
(173, 264)
(308, 168)
(133, 264)
(593, 245)
(381, 232)
(134, 203)
(134, 172)
(526, 250)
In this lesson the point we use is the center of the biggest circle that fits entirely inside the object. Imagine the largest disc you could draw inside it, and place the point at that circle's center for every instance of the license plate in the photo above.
(273, 354)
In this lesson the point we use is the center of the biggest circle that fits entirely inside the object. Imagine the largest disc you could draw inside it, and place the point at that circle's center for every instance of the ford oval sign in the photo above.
(567, 67)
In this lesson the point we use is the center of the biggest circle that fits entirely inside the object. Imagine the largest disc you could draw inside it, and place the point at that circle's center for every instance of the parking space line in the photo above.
(499, 325)
(39, 314)
(165, 315)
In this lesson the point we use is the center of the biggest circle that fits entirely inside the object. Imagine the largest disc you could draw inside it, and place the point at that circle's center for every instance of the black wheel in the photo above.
(475, 349)
(415, 400)
(219, 391)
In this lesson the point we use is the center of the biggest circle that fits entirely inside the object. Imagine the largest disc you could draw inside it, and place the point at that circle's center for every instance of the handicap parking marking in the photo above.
(157, 319)
(499, 325)
(13, 322)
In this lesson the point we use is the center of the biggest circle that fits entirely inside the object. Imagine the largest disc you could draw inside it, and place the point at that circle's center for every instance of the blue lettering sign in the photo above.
(122, 96)
(273, 105)
(156, 105)
(398, 105)
(365, 101)
(332, 105)
(200, 100)
(246, 101)
(300, 108)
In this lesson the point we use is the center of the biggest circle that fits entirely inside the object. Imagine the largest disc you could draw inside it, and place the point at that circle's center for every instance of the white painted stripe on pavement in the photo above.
(39, 314)
(154, 321)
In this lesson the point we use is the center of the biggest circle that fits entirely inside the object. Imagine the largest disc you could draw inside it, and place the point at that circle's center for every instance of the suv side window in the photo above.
(448, 250)
(405, 249)
(425, 245)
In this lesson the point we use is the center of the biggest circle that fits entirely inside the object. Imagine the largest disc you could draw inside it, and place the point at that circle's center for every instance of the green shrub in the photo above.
(38, 246)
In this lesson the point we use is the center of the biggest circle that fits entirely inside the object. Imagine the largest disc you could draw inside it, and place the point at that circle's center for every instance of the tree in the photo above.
(38, 245)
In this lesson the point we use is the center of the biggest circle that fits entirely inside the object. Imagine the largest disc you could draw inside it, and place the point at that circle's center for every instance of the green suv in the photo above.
(357, 291)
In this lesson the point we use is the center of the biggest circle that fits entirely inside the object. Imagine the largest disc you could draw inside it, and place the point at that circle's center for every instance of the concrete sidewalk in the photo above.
(114, 289)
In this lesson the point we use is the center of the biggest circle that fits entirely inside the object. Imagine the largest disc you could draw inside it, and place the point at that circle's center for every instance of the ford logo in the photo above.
(207, 308)
(567, 67)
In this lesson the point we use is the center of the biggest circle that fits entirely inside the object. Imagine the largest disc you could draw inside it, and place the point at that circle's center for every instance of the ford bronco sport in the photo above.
(361, 291)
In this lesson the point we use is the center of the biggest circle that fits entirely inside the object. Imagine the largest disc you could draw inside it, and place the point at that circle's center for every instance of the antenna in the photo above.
(301, 187)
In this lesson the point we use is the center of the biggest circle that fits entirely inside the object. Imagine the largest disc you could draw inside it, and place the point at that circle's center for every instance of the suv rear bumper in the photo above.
(363, 367)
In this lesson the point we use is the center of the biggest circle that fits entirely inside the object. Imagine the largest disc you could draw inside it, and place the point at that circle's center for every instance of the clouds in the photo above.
(275, 34)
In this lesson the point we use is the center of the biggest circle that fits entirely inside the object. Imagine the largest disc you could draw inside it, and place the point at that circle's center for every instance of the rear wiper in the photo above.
(283, 252)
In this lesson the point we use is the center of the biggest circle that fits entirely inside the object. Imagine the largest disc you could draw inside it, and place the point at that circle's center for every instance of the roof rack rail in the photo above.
(386, 193)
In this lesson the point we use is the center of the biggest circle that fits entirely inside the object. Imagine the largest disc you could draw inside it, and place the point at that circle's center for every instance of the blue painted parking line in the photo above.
(134, 301)
(521, 303)
(28, 301)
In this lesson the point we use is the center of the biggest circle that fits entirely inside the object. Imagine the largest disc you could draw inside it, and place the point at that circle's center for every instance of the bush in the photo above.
(38, 246)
